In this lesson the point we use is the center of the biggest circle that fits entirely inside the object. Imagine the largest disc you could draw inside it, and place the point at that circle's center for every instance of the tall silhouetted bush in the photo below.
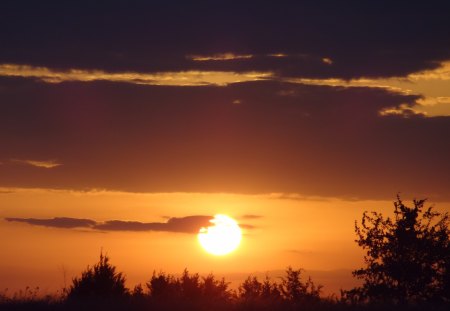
(407, 257)
(296, 291)
(101, 281)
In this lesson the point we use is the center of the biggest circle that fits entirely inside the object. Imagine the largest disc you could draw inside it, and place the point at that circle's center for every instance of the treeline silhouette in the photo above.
(101, 286)
(407, 268)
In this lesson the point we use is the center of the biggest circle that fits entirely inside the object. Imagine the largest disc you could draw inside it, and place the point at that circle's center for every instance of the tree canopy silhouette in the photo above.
(99, 282)
(407, 257)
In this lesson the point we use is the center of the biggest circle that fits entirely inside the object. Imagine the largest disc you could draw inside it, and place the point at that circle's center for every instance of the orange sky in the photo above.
(311, 233)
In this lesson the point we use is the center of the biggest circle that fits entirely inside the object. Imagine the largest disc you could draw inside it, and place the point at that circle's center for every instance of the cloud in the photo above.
(218, 57)
(35, 163)
(6, 191)
(411, 38)
(251, 216)
(430, 104)
(319, 141)
(57, 222)
(327, 61)
(442, 72)
(189, 224)
(181, 78)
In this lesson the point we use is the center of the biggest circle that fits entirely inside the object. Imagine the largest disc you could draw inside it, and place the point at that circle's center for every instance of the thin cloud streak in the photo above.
(182, 78)
(57, 222)
(218, 57)
(251, 216)
(42, 164)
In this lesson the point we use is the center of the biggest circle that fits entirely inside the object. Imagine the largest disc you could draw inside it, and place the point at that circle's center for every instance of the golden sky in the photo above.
(278, 231)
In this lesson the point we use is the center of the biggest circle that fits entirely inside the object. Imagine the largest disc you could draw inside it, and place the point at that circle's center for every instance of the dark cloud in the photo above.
(189, 224)
(318, 141)
(57, 222)
(377, 38)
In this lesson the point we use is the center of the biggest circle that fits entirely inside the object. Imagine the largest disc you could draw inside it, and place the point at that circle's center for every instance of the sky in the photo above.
(126, 125)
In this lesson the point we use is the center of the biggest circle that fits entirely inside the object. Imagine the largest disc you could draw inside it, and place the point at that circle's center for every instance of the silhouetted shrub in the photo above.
(99, 282)
(295, 290)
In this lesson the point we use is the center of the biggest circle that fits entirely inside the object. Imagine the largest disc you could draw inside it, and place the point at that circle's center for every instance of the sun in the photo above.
(222, 237)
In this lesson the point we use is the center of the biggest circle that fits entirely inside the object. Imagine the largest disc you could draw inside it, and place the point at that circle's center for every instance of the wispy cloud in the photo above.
(219, 57)
(36, 163)
(279, 55)
(181, 78)
(251, 216)
(327, 60)
(57, 222)
(334, 82)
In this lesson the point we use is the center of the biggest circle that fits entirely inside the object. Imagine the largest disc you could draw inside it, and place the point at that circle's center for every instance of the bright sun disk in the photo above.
(222, 237)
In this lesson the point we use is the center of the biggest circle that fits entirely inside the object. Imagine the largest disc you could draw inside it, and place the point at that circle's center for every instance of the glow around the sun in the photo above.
(222, 237)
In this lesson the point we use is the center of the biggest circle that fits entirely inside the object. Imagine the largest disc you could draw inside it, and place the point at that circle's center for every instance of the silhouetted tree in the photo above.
(164, 286)
(407, 258)
(296, 291)
(270, 290)
(250, 289)
(138, 292)
(99, 282)
(216, 290)
(188, 292)
(256, 295)
(190, 286)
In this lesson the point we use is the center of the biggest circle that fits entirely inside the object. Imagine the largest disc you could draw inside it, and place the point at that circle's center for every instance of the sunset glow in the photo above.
(197, 142)
(222, 237)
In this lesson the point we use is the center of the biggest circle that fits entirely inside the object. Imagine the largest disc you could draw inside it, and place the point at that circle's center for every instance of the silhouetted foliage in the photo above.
(215, 290)
(256, 295)
(190, 286)
(188, 291)
(297, 291)
(163, 286)
(99, 282)
(407, 258)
